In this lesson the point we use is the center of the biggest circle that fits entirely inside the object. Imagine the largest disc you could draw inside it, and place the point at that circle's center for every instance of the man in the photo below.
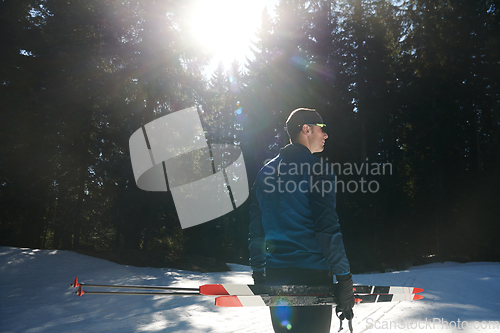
(295, 236)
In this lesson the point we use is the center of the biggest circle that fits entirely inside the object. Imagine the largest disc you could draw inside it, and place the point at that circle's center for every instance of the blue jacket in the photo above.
(293, 222)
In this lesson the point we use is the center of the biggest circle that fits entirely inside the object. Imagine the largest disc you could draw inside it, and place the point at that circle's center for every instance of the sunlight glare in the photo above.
(227, 27)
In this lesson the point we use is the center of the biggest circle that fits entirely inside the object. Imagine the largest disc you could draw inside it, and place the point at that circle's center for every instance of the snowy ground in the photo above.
(35, 297)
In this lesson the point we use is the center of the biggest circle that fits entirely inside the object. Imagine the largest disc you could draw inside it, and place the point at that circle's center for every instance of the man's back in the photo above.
(283, 194)
(297, 216)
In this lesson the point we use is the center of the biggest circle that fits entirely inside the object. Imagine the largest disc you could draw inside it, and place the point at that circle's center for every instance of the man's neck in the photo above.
(303, 141)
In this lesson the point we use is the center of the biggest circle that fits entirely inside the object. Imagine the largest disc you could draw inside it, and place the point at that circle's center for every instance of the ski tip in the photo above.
(213, 289)
(228, 301)
(75, 283)
(358, 300)
(80, 291)
(417, 290)
(417, 297)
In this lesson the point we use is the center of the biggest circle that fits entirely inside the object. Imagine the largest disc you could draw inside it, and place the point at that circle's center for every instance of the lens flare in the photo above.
(285, 315)
(286, 324)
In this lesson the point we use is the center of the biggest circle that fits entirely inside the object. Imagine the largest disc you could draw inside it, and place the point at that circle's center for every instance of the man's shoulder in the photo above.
(269, 166)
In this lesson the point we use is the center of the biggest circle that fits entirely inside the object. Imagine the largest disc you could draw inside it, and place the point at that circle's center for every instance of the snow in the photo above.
(35, 296)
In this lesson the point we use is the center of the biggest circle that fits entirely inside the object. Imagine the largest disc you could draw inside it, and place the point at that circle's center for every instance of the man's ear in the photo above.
(305, 129)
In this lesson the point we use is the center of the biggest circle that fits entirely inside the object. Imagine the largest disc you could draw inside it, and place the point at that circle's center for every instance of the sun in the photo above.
(226, 28)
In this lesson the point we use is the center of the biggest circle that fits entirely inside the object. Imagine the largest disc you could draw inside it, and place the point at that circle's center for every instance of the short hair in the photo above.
(299, 117)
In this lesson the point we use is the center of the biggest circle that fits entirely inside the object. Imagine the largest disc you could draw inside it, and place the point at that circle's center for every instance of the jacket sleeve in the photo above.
(326, 223)
(256, 237)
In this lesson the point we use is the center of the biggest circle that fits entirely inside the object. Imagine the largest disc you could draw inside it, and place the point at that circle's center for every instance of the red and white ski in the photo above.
(249, 290)
(306, 300)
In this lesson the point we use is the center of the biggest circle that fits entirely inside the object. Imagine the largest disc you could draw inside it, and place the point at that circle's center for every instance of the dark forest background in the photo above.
(413, 83)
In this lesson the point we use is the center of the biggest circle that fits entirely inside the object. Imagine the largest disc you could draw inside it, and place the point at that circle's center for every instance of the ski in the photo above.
(249, 290)
(306, 300)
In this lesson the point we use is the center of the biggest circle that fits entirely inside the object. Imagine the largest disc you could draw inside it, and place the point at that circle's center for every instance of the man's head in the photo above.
(305, 126)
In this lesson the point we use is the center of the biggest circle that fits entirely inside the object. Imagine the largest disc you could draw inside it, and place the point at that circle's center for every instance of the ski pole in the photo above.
(77, 284)
(81, 292)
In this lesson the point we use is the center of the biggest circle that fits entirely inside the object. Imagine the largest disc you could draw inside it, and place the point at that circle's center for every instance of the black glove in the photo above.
(259, 277)
(345, 297)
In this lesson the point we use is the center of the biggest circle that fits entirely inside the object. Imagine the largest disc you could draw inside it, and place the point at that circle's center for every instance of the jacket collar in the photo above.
(294, 148)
